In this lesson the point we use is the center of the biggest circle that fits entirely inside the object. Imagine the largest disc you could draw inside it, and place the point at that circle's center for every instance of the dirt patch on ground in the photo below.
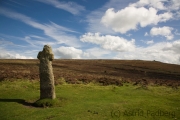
(105, 72)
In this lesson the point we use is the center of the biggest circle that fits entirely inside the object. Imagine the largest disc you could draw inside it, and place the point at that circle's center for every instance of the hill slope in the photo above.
(102, 71)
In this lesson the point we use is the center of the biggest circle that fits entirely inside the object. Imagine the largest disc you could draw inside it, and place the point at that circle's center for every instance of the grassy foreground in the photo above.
(90, 102)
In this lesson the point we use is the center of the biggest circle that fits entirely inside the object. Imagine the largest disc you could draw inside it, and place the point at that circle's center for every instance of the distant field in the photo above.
(102, 71)
(90, 102)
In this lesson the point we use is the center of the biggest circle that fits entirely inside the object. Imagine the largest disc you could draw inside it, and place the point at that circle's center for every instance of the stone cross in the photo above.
(47, 89)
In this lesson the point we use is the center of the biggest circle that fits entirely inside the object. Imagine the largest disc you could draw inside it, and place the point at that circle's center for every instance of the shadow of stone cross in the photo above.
(20, 101)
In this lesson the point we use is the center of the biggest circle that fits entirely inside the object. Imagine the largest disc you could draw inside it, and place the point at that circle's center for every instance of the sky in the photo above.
(91, 29)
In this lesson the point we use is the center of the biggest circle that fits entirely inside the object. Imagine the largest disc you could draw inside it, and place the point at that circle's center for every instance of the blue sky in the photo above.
(91, 29)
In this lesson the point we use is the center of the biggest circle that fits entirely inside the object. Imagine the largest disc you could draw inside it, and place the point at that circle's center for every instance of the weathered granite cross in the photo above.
(47, 88)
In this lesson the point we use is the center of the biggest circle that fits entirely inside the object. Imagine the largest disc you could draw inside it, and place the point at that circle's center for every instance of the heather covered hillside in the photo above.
(105, 72)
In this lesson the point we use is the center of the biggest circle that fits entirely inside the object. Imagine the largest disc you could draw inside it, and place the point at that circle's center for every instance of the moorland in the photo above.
(92, 89)
(106, 72)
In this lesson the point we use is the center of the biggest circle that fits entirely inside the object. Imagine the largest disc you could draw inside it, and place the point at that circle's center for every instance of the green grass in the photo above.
(48, 103)
(89, 102)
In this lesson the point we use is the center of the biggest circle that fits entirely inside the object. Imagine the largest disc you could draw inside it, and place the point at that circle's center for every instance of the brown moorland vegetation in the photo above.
(104, 72)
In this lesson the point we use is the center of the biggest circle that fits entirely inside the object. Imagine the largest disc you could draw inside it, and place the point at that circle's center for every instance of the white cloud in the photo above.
(10, 46)
(175, 47)
(18, 56)
(158, 4)
(155, 11)
(120, 19)
(57, 32)
(177, 15)
(176, 32)
(5, 42)
(37, 41)
(71, 7)
(129, 35)
(164, 51)
(4, 54)
(94, 18)
(96, 53)
(150, 42)
(114, 43)
(68, 52)
(60, 34)
(74, 53)
(130, 17)
(163, 31)
(174, 5)
(146, 34)
(94, 25)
